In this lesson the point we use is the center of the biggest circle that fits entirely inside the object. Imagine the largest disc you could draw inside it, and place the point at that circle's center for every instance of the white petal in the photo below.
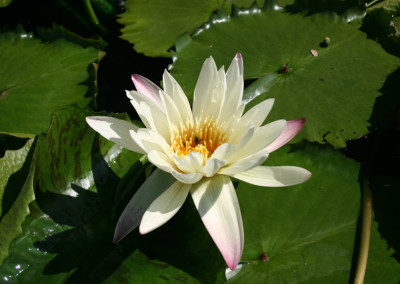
(173, 89)
(115, 130)
(262, 137)
(241, 139)
(148, 140)
(147, 87)
(256, 115)
(223, 151)
(161, 161)
(245, 164)
(151, 114)
(204, 86)
(164, 207)
(234, 88)
(274, 176)
(130, 218)
(171, 110)
(191, 163)
(187, 178)
(215, 199)
(212, 166)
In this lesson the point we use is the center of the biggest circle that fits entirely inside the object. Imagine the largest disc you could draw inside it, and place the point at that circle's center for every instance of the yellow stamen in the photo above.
(203, 136)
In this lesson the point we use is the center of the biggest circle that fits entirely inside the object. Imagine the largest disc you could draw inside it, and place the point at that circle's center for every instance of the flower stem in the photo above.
(365, 233)
(93, 16)
(371, 3)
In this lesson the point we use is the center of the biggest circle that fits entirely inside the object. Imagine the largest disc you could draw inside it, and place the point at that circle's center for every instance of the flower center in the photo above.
(204, 136)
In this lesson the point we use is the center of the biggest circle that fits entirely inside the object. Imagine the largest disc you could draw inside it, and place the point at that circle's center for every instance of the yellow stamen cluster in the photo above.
(203, 136)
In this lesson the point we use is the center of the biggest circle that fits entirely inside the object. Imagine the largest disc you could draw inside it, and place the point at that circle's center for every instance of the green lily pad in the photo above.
(71, 153)
(153, 26)
(38, 78)
(76, 175)
(335, 90)
(150, 271)
(26, 262)
(10, 224)
(382, 267)
(304, 232)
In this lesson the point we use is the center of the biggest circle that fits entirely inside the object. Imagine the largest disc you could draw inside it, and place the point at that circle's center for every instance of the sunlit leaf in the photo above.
(153, 26)
(38, 78)
(10, 223)
(335, 90)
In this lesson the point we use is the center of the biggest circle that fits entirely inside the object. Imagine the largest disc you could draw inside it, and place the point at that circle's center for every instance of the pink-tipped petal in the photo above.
(153, 187)
(147, 87)
(239, 59)
(215, 199)
(292, 128)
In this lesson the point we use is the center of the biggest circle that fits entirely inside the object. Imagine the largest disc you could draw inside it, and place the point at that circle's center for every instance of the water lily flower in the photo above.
(197, 150)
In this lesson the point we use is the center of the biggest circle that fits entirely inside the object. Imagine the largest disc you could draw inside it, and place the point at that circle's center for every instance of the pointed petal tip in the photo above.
(117, 236)
(232, 266)
(292, 128)
(238, 56)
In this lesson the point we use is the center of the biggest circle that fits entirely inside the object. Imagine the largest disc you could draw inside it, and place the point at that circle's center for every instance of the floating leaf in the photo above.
(307, 231)
(335, 91)
(26, 262)
(38, 78)
(153, 26)
(10, 224)
(137, 268)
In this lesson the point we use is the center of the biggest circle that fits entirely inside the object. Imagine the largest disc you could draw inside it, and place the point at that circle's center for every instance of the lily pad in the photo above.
(72, 154)
(10, 223)
(304, 232)
(335, 90)
(76, 175)
(25, 262)
(150, 271)
(38, 78)
(153, 26)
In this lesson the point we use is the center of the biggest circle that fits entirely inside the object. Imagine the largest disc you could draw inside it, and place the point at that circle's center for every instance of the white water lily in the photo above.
(198, 150)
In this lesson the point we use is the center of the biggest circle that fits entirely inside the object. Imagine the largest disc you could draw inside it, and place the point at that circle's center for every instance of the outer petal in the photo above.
(115, 130)
(147, 87)
(274, 176)
(164, 207)
(262, 137)
(292, 128)
(130, 218)
(245, 164)
(215, 199)
(256, 115)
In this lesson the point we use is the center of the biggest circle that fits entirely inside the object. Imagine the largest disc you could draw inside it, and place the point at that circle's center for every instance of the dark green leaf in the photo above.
(308, 230)
(137, 268)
